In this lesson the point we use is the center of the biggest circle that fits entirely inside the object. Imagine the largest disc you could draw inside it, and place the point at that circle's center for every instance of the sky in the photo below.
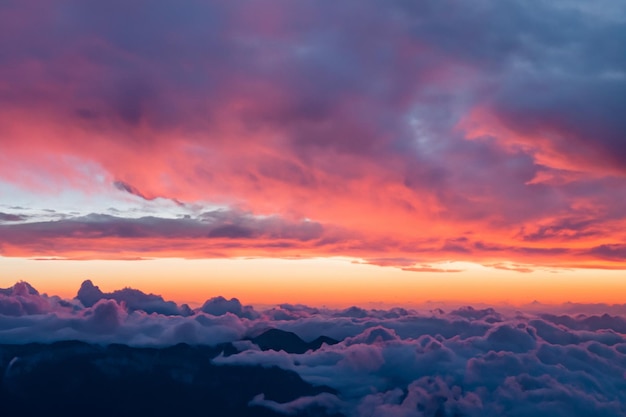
(318, 152)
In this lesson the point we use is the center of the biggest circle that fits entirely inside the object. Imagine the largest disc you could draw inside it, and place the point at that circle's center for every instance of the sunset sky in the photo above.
(320, 152)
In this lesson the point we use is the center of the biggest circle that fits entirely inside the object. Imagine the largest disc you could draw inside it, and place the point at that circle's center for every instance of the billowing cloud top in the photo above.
(423, 131)
(463, 362)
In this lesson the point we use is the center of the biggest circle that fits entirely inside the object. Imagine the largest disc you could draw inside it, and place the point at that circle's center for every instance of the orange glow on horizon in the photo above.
(331, 282)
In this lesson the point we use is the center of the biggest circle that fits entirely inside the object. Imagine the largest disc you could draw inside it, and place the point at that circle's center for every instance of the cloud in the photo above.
(22, 299)
(410, 127)
(123, 316)
(425, 268)
(512, 267)
(122, 186)
(89, 295)
(223, 233)
(508, 369)
(325, 401)
(8, 217)
(218, 233)
(474, 362)
(218, 306)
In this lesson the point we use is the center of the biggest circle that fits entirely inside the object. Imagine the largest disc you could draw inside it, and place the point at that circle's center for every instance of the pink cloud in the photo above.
(382, 121)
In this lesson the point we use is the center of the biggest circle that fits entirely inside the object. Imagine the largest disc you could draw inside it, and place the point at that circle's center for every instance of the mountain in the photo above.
(79, 379)
(276, 339)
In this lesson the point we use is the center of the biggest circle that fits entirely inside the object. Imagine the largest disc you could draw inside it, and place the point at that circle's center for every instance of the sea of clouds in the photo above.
(396, 362)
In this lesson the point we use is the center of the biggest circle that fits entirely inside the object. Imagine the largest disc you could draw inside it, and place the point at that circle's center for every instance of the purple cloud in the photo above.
(468, 362)
(470, 116)
(132, 299)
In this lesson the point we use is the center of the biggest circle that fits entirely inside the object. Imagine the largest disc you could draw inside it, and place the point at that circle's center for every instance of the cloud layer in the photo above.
(467, 362)
(483, 131)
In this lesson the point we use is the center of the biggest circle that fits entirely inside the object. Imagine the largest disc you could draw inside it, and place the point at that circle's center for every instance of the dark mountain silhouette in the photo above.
(79, 379)
(276, 339)
(317, 343)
